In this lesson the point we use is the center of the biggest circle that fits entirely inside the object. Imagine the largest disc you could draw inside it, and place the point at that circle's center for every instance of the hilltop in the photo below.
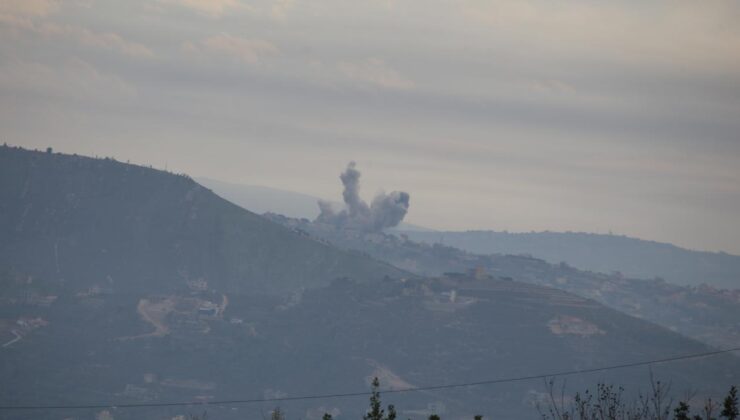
(72, 223)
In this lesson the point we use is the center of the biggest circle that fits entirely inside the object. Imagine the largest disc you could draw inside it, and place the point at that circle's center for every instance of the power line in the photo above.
(365, 393)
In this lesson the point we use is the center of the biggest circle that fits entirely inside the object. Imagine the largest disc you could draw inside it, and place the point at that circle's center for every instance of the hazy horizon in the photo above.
(337, 203)
(503, 115)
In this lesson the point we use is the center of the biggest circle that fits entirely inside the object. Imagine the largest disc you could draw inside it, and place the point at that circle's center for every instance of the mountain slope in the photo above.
(121, 284)
(84, 222)
(331, 340)
(603, 253)
(705, 313)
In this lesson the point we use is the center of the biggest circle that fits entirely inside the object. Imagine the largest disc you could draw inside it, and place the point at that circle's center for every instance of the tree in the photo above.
(327, 416)
(607, 403)
(376, 410)
(434, 417)
(682, 411)
(277, 414)
(729, 406)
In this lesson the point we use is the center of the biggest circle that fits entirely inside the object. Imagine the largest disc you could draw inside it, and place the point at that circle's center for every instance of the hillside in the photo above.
(161, 348)
(704, 313)
(72, 223)
(122, 284)
(632, 257)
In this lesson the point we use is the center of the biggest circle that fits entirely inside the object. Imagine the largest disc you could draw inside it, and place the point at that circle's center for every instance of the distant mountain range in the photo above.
(121, 284)
(602, 253)
(632, 257)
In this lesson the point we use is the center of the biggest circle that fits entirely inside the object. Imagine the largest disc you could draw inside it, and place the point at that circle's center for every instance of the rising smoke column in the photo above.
(357, 208)
(386, 210)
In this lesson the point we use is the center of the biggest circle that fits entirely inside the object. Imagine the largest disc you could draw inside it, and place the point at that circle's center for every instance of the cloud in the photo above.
(280, 8)
(74, 78)
(697, 34)
(212, 8)
(28, 7)
(376, 72)
(102, 40)
(51, 31)
(247, 50)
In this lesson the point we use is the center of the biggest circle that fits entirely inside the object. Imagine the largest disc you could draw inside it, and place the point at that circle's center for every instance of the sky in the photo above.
(601, 116)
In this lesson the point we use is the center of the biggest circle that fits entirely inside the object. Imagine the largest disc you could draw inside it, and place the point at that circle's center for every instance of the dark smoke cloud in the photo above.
(386, 210)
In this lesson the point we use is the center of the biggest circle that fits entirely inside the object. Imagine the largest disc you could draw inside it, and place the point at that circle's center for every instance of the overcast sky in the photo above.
(596, 115)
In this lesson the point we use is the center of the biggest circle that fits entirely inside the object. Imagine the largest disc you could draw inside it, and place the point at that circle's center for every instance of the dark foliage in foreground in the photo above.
(609, 403)
(604, 403)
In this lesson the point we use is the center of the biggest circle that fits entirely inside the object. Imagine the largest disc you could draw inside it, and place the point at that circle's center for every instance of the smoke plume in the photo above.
(386, 210)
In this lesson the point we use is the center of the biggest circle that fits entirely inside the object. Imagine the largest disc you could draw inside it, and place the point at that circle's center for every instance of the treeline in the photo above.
(606, 402)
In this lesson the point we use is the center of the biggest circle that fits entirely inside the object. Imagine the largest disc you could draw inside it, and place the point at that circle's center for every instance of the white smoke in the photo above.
(386, 210)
